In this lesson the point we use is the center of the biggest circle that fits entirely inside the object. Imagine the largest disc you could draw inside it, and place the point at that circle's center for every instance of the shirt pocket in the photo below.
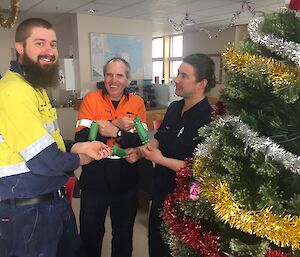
(105, 114)
(127, 114)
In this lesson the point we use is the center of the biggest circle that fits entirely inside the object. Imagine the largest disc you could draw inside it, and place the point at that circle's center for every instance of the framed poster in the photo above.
(106, 46)
(217, 58)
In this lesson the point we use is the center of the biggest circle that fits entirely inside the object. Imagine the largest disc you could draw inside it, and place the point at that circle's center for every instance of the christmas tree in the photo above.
(240, 194)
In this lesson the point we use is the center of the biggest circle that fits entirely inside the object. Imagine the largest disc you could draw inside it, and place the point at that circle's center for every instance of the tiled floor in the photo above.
(140, 238)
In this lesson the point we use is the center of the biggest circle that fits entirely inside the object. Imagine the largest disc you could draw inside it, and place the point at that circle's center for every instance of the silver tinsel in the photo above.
(277, 45)
(252, 140)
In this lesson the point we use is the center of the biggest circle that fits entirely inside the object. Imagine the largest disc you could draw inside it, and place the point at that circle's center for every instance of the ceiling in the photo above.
(206, 13)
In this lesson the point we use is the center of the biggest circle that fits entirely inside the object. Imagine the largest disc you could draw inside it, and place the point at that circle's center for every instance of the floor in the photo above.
(140, 243)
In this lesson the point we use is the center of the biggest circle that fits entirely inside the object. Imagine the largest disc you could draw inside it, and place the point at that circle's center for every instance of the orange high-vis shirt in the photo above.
(97, 107)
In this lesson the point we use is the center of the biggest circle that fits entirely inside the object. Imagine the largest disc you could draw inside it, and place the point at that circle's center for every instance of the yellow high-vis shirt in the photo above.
(28, 124)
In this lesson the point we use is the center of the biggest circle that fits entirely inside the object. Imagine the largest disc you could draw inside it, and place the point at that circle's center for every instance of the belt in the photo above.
(60, 193)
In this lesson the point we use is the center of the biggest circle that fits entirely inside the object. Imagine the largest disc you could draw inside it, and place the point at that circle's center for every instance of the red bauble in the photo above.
(293, 4)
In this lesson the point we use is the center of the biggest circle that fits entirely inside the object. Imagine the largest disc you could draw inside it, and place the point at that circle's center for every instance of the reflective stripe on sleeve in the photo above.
(145, 126)
(84, 122)
(1, 138)
(113, 157)
(14, 169)
(51, 126)
(39, 145)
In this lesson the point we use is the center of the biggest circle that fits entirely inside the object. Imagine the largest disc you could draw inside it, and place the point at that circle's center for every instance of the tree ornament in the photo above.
(293, 4)
(12, 16)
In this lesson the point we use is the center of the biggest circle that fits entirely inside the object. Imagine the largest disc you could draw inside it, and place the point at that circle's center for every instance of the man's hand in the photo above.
(124, 123)
(107, 129)
(133, 154)
(152, 153)
(89, 151)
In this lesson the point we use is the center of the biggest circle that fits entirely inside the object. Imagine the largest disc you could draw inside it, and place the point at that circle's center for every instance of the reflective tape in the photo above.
(145, 125)
(113, 157)
(36, 147)
(1, 138)
(51, 126)
(14, 169)
(84, 122)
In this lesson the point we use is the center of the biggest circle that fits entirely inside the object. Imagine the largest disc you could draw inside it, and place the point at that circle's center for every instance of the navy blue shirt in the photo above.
(178, 137)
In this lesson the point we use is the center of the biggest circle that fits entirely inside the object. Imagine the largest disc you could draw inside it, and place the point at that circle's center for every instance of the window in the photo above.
(157, 57)
(166, 57)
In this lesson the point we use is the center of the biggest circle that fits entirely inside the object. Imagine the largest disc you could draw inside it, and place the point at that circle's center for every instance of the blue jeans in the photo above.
(41, 230)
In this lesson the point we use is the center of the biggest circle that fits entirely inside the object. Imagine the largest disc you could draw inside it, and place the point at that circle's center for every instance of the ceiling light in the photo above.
(92, 11)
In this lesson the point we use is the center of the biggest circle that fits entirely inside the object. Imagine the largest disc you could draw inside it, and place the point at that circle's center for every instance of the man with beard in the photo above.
(35, 216)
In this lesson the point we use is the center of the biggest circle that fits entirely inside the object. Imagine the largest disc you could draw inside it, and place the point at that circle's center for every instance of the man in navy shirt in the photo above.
(176, 138)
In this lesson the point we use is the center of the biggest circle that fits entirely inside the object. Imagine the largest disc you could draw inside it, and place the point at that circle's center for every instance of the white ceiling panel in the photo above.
(122, 3)
(24, 5)
(131, 11)
(205, 12)
(58, 6)
(99, 9)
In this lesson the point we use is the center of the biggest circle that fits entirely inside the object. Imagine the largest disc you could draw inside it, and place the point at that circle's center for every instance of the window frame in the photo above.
(167, 59)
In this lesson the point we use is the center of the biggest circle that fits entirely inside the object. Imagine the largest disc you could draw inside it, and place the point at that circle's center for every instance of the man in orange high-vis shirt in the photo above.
(111, 182)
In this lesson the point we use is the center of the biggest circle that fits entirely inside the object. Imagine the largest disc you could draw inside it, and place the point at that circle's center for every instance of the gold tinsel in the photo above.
(282, 230)
(279, 75)
(13, 15)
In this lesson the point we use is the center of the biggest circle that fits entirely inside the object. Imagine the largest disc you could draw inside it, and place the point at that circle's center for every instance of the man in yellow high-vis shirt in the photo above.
(35, 217)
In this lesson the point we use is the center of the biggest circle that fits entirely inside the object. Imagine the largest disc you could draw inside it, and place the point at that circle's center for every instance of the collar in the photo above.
(16, 67)
(195, 108)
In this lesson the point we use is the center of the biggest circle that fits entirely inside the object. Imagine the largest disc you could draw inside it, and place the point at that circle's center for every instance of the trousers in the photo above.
(157, 246)
(93, 209)
(47, 229)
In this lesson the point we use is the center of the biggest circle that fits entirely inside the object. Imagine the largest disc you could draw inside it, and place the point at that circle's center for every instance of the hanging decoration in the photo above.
(282, 230)
(184, 229)
(188, 21)
(293, 4)
(251, 139)
(12, 16)
(278, 45)
(282, 77)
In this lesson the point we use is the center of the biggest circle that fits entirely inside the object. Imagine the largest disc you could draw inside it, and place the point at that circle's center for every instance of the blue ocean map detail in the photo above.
(107, 46)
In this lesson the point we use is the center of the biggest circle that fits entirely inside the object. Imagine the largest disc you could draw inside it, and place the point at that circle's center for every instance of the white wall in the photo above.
(199, 42)
(65, 42)
(7, 43)
(90, 23)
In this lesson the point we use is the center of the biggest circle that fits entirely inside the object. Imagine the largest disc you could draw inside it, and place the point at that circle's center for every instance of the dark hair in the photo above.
(204, 68)
(118, 59)
(23, 31)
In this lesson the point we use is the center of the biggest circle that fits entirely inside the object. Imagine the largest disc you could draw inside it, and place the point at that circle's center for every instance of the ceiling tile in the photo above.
(121, 3)
(204, 12)
(100, 9)
(58, 6)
